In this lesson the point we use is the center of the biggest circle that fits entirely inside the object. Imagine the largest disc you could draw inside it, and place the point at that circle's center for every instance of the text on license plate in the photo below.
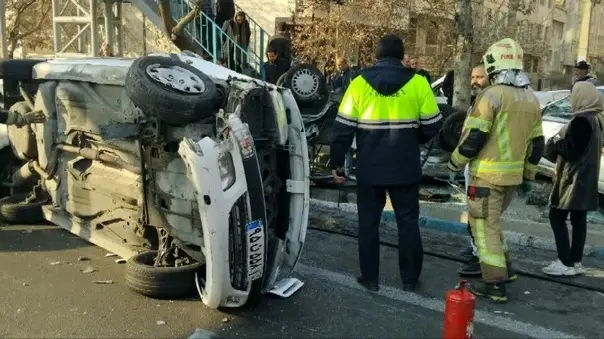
(255, 249)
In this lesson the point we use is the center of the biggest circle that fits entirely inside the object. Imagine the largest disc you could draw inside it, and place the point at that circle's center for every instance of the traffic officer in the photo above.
(502, 140)
(391, 110)
(20, 119)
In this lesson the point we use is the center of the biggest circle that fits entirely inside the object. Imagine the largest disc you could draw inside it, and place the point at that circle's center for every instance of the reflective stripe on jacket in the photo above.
(391, 110)
(502, 137)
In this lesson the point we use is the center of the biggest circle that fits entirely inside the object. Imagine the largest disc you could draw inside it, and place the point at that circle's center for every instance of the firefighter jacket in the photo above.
(502, 137)
(391, 110)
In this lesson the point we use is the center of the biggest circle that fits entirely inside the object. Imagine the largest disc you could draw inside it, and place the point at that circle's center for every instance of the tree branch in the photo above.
(179, 39)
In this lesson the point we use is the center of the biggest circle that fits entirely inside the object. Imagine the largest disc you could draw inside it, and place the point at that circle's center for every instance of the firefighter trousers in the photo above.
(486, 203)
(405, 202)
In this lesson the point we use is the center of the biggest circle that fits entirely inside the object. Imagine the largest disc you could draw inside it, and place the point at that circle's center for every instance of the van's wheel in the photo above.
(171, 90)
(307, 84)
(22, 209)
(450, 132)
(160, 282)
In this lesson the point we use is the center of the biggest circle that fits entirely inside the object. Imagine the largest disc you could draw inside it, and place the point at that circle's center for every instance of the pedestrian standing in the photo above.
(343, 76)
(502, 141)
(281, 43)
(414, 63)
(274, 67)
(575, 192)
(235, 48)
(581, 73)
(391, 111)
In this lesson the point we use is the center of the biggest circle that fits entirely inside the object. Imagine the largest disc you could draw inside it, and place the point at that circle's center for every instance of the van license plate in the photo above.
(255, 249)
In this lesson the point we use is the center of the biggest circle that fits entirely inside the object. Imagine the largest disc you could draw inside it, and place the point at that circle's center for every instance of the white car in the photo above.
(196, 174)
(555, 116)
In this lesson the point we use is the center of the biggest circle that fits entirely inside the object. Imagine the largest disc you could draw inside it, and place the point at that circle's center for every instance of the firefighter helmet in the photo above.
(502, 55)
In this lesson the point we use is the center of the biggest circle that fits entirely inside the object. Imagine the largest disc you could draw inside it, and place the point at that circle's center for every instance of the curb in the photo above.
(442, 225)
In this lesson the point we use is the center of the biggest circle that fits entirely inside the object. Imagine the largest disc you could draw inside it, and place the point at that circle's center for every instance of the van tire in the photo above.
(160, 282)
(318, 94)
(169, 105)
(16, 210)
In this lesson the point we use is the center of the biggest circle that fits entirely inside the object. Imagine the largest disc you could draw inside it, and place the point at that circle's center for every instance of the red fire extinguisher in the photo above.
(459, 313)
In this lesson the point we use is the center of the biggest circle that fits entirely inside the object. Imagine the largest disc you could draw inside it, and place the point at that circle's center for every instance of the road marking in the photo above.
(504, 323)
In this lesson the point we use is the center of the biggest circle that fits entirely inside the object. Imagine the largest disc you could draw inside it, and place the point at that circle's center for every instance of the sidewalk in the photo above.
(452, 219)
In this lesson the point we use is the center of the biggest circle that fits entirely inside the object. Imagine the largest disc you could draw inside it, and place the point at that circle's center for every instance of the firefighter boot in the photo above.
(471, 268)
(511, 272)
(492, 291)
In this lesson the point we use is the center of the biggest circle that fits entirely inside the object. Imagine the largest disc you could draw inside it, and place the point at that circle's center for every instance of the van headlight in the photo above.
(227, 170)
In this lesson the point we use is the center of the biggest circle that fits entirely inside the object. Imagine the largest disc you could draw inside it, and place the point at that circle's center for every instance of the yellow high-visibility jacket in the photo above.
(502, 137)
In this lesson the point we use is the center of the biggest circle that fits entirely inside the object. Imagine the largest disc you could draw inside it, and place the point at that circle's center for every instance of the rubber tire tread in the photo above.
(18, 69)
(14, 210)
(319, 98)
(167, 104)
(449, 134)
(160, 282)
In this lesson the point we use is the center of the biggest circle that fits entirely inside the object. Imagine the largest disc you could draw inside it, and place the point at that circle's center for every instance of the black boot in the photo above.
(471, 268)
(369, 285)
(492, 291)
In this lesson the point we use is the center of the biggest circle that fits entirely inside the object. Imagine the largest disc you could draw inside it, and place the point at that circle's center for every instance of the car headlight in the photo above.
(227, 170)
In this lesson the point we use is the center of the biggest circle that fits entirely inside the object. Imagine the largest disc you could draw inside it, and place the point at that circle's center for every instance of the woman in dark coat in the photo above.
(577, 155)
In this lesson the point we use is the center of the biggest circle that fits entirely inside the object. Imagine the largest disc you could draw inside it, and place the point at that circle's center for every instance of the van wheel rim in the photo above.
(305, 83)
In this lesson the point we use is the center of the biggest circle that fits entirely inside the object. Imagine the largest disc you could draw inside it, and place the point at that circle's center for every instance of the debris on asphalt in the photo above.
(25, 284)
(104, 282)
(18, 310)
(108, 255)
(120, 261)
(83, 258)
(89, 269)
(200, 333)
(225, 320)
(527, 292)
(27, 231)
(54, 263)
(600, 294)
(161, 322)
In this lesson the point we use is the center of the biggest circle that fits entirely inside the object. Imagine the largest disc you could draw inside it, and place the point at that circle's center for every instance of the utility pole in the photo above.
(583, 48)
(463, 55)
(3, 38)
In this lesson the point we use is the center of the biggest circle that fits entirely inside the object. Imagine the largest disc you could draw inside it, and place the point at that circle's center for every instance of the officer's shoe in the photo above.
(411, 287)
(369, 285)
(495, 292)
(468, 252)
(511, 274)
(471, 268)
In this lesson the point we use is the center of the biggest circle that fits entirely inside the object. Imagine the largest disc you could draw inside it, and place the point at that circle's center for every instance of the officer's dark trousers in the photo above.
(405, 201)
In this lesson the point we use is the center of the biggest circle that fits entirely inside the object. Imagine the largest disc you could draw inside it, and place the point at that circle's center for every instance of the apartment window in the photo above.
(542, 2)
(432, 33)
(550, 4)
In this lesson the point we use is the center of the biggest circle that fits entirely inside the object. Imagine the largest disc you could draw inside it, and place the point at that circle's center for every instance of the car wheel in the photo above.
(307, 84)
(171, 90)
(22, 139)
(20, 209)
(18, 69)
(446, 110)
(451, 131)
(160, 282)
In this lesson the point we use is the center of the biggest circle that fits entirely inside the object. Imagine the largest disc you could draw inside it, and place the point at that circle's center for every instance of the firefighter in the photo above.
(391, 110)
(502, 141)
(21, 119)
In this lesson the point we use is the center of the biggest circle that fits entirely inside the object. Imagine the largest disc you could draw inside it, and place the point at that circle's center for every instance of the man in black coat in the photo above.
(275, 67)
(577, 154)
(281, 43)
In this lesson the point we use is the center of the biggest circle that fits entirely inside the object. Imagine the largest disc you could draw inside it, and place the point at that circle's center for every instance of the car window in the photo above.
(561, 110)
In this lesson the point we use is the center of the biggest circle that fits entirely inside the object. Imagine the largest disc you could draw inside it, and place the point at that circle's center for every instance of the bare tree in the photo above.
(27, 22)
(175, 30)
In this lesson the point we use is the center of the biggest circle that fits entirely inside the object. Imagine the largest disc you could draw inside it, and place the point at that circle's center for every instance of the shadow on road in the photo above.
(41, 238)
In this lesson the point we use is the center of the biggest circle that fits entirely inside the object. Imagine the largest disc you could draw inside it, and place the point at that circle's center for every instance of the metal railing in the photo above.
(259, 37)
(217, 44)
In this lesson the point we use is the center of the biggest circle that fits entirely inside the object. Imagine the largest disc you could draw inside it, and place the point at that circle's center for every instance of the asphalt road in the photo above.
(45, 293)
